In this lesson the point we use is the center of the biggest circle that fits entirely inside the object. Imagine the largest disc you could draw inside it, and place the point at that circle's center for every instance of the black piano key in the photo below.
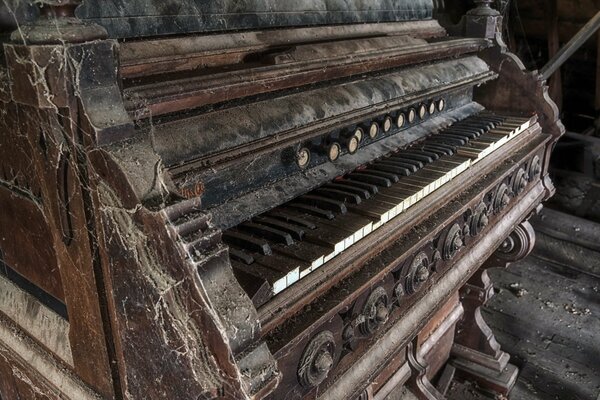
(295, 231)
(456, 135)
(280, 262)
(327, 236)
(416, 151)
(319, 212)
(413, 155)
(438, 151)
(362, 193)
(468, 134)
(306, 251)
(443, 169)
(340, 195)
(395, 169)
(388, 175)
(426, 174)
(258, 288)
(485, 124)
(372, 189)
(446, 149)
(411, 185)
(411, 167)
(478, 145)
(444, 139)
(369, 178)
(323, 203)
(291, 218)
(434, 156)
(260, 271)
(446, 164)
(241, 256)
(246, 242)
(350, 222)
(397, 158)
(397, 193)
(371, 209)
(489, 116)
(487, 140)
(477, 128)
(266, 232)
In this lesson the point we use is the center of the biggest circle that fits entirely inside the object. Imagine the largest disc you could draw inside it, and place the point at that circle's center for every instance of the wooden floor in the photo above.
(547, 317)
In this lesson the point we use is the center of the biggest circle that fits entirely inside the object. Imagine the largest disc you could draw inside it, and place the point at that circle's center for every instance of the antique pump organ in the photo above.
(260, 199)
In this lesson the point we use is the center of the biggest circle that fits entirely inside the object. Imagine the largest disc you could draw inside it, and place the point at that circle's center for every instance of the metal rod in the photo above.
(571, 47)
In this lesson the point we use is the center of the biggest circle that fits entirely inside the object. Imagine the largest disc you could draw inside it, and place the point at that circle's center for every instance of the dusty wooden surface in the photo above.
(547, 316)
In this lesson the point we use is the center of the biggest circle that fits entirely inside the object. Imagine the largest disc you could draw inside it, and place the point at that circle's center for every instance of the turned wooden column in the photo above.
(476, 353)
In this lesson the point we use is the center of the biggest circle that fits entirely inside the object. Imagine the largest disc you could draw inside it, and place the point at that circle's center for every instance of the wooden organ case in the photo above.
(245, 199)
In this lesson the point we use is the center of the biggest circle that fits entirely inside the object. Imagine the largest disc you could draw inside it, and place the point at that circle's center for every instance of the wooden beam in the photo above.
(555, 83)
(571, 47)
(597, 97)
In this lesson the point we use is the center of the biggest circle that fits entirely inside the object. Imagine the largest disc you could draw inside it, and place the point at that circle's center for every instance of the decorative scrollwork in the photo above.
(535, 168)
(317, 360)
(375, 311)
(501, 198)
(519, 181)
(518, 244)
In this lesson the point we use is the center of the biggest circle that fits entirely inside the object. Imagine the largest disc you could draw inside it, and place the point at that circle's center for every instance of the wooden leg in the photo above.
(419, 384)
(476, 353)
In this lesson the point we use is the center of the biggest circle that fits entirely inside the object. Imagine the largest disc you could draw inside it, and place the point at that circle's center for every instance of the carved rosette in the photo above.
(375, 311)
(317, 360)
(417, 274)
(518, 244)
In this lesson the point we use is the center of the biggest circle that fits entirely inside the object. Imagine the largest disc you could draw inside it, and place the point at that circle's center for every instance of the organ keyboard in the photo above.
(365, 198)
(260, 199)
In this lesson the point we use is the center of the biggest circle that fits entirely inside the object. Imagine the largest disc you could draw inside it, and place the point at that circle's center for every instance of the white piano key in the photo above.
(280, 285)
(367, 229)
(317, 263)
(349, 241)
(293, 276)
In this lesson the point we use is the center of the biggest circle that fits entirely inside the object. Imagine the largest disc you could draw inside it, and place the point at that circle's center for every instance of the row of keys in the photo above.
(294, 239)
(351, 140)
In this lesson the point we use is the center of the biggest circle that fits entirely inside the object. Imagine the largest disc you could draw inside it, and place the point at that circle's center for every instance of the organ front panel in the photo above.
(261, 199)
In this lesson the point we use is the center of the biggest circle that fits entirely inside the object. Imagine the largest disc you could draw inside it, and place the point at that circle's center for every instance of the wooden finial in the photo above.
(483, 8)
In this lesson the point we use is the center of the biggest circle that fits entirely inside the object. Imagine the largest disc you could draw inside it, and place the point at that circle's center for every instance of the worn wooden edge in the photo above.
(37, 320)
(412, 321)
(169, 96)
(24, 352)
(399, 378)
(453, 317)
(168, 54)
